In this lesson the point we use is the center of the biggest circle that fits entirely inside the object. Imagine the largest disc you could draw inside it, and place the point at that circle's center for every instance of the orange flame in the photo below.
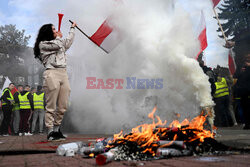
(91, 155)
(146, 134)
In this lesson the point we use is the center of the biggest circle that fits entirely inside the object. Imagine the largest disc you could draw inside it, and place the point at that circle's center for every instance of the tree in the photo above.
(236, 17)
(236, 14)
(11, 39)
(13, 44)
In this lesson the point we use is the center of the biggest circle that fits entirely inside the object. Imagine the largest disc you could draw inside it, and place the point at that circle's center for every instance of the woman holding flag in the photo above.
(50, 49)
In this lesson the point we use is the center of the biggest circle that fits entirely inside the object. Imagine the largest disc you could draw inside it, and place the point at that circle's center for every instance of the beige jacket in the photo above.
(53, 52)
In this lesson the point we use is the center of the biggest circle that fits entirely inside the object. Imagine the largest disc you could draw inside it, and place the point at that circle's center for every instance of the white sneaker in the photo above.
(20, 134)
(28, 134)
(5, 135)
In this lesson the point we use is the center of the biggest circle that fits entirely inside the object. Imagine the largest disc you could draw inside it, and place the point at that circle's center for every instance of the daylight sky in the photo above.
(25, 15)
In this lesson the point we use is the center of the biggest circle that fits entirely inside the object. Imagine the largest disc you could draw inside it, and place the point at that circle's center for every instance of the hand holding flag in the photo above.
(85, 34)
(229, 44)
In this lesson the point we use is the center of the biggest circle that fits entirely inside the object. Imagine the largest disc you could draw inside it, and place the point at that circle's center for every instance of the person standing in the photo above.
(243, 89)
(7, 105)
(39, 106)
(50, 49)
(221, 98)
(26, 107)
(242, 73)
(33, 90)
(16, 110)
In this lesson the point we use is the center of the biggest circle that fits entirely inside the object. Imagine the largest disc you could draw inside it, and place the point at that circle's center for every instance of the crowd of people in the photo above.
(21, 108)
(231, 96)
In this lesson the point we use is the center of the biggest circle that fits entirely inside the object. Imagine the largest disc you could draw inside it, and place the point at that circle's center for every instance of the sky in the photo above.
(25, 15)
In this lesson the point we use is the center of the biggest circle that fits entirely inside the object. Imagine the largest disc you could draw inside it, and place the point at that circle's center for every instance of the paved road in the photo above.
(36, 151)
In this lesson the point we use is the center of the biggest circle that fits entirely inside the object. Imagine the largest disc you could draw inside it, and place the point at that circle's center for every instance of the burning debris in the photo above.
(155, 141)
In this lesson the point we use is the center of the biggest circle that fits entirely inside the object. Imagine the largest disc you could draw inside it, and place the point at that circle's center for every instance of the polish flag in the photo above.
(231, 62)
(215, 3)
(202, 34)
(106, 37)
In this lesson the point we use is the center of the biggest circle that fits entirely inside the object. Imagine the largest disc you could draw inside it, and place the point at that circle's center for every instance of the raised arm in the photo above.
(49, 46)
(67, 42)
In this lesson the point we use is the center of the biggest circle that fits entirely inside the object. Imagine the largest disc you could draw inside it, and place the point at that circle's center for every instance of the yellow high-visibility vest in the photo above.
(11, 98)
(24, 101)
(221, 88)
(38, 101)
(16, 105)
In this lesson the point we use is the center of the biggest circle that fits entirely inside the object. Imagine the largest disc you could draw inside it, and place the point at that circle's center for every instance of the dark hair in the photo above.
(19, 85)
(27, 86)
(12, 83)
(39, 87)
(45, 34)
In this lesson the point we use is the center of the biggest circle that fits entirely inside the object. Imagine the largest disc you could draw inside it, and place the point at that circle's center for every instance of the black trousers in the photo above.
(24, 125)
(7, 110)
(245, 103)
(222, 113)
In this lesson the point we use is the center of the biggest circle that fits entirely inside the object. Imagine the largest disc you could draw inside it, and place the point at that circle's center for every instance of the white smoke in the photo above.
(158, 42)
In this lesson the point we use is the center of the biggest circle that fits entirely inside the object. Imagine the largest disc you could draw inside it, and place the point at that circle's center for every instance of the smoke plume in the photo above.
(158, 42)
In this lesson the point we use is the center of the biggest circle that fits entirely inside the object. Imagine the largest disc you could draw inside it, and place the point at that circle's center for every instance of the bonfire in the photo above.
(156, 141)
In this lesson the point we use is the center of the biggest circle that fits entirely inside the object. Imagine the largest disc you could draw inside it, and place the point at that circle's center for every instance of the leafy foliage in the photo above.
(236, 17)
(13, 45)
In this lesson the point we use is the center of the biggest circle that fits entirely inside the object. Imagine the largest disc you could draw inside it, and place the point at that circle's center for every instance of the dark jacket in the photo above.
(5, 96)
(16, 97)
(209, 72)
(243, 83)
(30, 98)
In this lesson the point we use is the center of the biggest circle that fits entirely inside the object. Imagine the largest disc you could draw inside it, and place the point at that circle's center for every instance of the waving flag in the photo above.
(106, 37)
(202, 34)
(6, 84)
(215, 3)
(231, 62)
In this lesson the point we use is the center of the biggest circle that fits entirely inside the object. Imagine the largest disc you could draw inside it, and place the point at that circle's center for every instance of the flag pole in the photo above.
(220, 25)
(89, 37)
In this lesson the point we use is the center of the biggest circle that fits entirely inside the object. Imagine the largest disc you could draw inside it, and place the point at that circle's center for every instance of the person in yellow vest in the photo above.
(16, 110)
(33, 90)
(221, 99)
(26, 107)
(7, 104)
(39, 106)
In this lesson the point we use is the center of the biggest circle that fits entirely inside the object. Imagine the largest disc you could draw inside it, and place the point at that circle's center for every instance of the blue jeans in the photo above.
(38, 113)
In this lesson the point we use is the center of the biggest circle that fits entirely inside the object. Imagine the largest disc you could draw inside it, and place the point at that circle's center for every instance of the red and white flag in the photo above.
(215, 3)
(106, 37)
(231, 62)
(202, 34)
